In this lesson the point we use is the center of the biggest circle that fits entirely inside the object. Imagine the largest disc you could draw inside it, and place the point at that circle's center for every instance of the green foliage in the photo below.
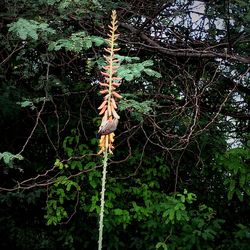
(66, 189)
(58, 194)
(26, 103)
(77, 42)
(235, 164)
(242, 237)
(30, 29)
(8, 158)
(176, 208)
(31, 103)
(199, 232)
(131, 71)
(80, 6)
(72, 146)
(137, 108)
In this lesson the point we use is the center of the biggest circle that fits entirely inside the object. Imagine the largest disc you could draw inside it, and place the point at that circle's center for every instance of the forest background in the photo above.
(179, 177)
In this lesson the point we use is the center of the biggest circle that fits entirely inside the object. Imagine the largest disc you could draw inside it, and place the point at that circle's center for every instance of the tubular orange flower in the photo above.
(109, 85)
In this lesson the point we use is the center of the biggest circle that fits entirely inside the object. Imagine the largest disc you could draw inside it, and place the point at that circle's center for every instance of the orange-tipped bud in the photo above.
(115, 84)
(117, 78)
(104, 84)
(115, 94)
(104, 73)
(113, 103)
(107, 50)
(103, 110)
(105, 91)
(103, 104)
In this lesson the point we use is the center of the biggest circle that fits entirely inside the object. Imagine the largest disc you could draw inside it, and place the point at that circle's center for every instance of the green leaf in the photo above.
(232, 185)
(161, 245)
(118, 211)
(178, 215)
(128, 59)
(242, 180)
(131, 71)
(148, 63)
(76, 42)
(153, 73)
(171, 214)
(239, 194)
(26, 103)
(97, 40)
(8, 158)
(230, 195)
(26, 29)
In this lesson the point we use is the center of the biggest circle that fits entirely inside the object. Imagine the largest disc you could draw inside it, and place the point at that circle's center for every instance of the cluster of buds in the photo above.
(111, 82)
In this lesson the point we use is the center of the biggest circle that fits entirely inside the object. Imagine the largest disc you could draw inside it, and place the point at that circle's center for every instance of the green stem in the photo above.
(104, 173)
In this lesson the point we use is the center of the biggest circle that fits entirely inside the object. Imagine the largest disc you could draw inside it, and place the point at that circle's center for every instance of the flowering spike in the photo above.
(111, 82)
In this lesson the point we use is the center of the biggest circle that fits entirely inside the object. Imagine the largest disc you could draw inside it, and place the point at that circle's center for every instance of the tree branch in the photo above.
(150, 43)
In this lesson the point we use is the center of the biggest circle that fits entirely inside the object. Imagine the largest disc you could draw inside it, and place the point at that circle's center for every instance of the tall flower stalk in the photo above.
(108, 110)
